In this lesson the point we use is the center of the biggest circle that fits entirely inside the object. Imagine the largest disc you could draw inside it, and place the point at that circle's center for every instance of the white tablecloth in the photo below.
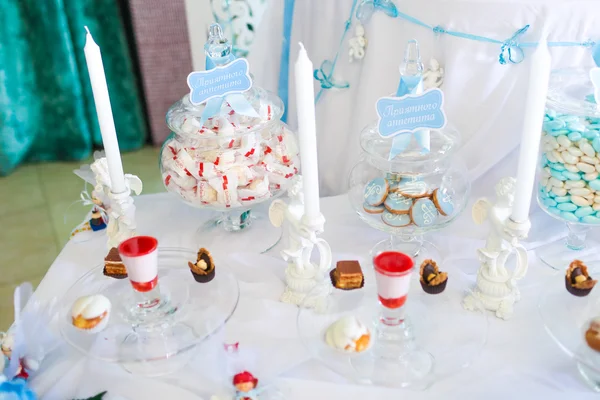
(484, 99)
(520, 360)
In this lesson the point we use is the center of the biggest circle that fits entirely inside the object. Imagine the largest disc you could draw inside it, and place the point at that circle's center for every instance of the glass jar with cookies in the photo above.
(414, 193)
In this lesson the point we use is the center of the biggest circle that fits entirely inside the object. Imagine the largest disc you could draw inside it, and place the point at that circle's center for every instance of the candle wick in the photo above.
(88, 31)
(301, 46)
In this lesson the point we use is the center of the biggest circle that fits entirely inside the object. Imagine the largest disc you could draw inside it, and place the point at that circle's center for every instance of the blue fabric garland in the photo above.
(511, 49)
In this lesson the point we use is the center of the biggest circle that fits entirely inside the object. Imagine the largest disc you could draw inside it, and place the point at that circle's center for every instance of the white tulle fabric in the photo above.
(484, 99)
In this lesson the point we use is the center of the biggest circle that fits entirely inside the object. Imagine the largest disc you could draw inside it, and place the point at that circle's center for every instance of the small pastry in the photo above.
(592, 335)
(376, 191)
(348, 334)
(395, 220)
(113, 265)
(204, 268)
(577, 279)
(347, 275)
(443, 202)
(91, 313)
(397, 204)
(423, 213)
(373, 209)
(432, 280)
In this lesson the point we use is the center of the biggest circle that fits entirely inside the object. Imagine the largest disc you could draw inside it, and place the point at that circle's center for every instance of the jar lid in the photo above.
(237, 115)
(183, 117)
(571, 91)
(443, 143)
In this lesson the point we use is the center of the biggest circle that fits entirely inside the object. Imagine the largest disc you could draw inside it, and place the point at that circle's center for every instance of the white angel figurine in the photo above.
(357, 45)
(496, 285)
(434, 76)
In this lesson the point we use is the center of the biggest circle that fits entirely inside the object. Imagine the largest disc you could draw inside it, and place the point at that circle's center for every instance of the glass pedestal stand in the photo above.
(577, 245)
(155, 332)
(400, 355)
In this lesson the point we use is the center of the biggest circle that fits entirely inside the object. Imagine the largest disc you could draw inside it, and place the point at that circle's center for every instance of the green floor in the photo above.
(37, 217)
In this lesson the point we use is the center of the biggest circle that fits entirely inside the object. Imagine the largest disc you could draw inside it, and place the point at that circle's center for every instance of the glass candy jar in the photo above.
(229, 162)
(568, 176)
(414, 193)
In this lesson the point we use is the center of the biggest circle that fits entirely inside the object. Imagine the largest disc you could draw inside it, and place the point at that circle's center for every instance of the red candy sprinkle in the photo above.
(187, 172)
(167, 180)
(268, 150)
(248, 154)
(231, 143)
(217, 161)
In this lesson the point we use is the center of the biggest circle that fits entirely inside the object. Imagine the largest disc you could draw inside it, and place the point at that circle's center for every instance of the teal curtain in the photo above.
(47, 110)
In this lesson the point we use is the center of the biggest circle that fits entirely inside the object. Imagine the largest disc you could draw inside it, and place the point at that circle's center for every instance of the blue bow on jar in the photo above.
(367, 7)
(218, 55)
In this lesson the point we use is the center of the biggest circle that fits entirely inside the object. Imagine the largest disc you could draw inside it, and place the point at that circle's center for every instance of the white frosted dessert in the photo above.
(91, 313)
(348, 334)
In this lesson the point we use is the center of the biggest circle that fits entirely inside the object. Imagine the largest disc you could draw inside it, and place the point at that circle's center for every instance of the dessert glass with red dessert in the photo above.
(140, 256)
(395, 347)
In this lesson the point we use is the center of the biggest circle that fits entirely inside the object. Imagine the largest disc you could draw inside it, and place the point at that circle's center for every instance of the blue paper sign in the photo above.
(219, 81)
(410, 113)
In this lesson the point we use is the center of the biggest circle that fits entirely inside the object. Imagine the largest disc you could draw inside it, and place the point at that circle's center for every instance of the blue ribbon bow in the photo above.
(237, 102)
(511, 51)
(409, 85)
(367, 7)
(324, 75)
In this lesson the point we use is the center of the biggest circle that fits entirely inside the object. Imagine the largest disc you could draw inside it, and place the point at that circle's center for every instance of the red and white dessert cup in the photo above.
(393, 271)
(140, 256)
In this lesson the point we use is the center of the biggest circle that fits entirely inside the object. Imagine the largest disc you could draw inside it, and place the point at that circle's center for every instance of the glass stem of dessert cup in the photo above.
(576, 245)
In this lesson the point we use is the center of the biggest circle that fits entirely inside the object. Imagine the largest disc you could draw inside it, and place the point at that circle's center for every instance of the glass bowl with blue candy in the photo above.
(413, 193)
(568, 186)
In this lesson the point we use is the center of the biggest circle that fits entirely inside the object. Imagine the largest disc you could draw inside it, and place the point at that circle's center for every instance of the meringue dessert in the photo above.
(348, 334)
(91, 313)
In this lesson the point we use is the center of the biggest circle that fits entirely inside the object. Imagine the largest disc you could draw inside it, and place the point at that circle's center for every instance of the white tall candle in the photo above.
(93, 59)
(539, 75)
(307, 132)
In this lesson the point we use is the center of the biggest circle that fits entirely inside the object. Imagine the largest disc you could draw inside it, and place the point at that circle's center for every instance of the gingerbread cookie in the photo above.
(443, 202)
(376, 191)
(397, 204)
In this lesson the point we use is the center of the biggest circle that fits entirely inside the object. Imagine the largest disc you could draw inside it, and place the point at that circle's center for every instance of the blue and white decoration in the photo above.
(411, 113)
(225, 79)
(408, 116)
(219, 81)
